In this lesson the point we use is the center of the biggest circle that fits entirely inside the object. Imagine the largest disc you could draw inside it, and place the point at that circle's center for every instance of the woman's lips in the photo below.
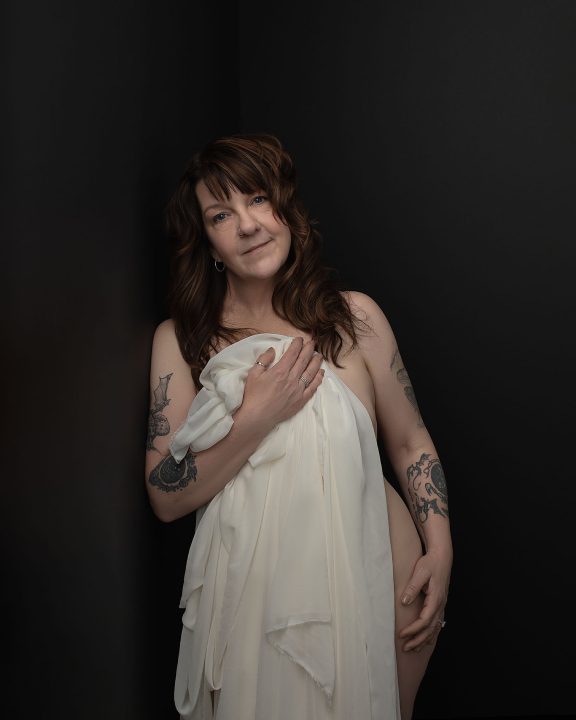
(257, 247)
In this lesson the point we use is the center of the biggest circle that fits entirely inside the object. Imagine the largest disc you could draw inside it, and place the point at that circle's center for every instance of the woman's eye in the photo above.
(259, 199)
(218, 218)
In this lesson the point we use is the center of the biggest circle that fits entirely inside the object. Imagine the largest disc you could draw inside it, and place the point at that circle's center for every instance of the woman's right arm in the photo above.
(176, 489)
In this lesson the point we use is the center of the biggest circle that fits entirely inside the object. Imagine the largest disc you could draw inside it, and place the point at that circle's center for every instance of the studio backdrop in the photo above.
(435, 146)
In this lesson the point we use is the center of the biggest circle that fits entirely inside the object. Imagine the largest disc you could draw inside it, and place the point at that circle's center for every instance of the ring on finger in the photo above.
(304, 380)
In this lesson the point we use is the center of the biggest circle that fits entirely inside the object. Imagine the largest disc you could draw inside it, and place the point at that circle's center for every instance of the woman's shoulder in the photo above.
(374, 332)
(167, 360)
(363, 307)
(165, 340)
(166, 328)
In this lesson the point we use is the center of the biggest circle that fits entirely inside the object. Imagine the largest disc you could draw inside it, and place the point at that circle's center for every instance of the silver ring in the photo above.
(261, 363)
(441, 623)
(304, 380)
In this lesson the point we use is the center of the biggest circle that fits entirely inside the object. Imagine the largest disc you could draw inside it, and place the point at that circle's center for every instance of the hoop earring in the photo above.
(218, 268)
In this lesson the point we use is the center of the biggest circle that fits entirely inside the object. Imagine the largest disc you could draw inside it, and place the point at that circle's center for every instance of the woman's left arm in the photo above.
(417, 466)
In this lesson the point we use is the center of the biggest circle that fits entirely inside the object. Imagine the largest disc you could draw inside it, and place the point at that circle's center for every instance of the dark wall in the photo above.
(105, 103)
(435, 144)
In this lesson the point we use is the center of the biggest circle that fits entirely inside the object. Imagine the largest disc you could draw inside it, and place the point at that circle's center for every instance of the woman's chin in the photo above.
(267, 268)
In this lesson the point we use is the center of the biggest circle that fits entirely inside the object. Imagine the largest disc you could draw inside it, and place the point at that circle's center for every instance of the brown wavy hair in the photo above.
(307, 292)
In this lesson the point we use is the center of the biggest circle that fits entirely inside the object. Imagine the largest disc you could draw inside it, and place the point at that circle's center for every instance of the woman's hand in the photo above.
(431, 576)
(274, 394)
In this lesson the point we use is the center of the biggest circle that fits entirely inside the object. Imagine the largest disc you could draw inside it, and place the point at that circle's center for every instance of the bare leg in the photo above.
(406, 549)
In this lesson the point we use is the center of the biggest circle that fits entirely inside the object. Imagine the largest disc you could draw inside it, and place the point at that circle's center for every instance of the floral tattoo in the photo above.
(427, 487)
(170, 476)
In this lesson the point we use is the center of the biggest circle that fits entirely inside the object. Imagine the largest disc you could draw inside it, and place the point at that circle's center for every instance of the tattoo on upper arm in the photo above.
(427, 487)
(158, 424)
(397, 366)
(170, 476)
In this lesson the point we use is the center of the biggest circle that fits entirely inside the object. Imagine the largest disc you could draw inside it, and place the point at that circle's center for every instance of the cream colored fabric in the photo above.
(288, 592)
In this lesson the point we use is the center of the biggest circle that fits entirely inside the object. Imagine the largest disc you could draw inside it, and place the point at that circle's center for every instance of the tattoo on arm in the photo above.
(397, 366)
(427, 487)
(170, 476)
(158, 424)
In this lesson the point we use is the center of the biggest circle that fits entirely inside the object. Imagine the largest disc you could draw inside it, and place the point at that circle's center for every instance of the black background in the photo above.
(435, 144)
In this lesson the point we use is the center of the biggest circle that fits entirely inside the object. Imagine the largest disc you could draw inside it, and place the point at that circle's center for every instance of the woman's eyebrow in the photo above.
(210, 207)
(221, 204)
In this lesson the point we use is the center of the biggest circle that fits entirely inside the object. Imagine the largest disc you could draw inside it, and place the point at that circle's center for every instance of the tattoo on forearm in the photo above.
(158, 424)
(397, 366)
(427, 487)
(170, 476)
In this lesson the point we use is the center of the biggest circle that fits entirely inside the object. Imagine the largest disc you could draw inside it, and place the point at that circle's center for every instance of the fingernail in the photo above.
(405, 599)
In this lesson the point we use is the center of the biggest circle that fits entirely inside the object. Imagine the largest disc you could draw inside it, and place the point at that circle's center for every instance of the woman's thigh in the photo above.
(406, 549)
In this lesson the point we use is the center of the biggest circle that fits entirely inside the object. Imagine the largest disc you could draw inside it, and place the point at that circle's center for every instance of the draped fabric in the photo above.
(288, 592)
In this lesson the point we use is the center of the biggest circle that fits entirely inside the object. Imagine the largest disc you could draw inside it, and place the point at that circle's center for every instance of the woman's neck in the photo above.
(249, 304)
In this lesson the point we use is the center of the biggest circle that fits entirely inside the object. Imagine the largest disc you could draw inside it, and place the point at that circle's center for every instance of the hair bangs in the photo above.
(223, 175)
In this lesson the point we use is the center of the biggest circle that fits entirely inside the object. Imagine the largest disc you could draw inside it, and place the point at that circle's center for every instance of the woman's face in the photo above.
(244, 233)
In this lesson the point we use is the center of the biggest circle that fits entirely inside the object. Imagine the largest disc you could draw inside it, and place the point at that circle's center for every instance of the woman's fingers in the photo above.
(280, 388)
(266, 358)
(311, 389)
(290, 355)
(426, 637)
(311, 371)
(307, 364)
(425, 627)
(315, 363)
(422, 621)
(297, 358)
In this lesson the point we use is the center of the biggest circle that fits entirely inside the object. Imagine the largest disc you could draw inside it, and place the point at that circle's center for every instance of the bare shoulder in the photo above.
(166, 354)
(375, 333)
(166, 343)
(395, 402)
(165, 332)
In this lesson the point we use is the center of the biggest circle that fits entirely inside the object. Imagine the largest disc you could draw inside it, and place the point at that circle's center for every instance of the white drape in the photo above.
(297, 546)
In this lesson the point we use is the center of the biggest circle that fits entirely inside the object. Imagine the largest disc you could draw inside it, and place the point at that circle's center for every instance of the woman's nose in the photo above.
(247, 224)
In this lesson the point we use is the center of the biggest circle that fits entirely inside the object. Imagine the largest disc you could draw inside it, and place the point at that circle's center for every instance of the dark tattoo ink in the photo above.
(397, 366)
(158, 424)
(409, 392)
(170, 476)
(427, 487)
(402, 376)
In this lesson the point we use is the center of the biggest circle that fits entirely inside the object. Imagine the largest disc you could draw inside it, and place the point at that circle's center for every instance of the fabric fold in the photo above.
(298, 617)
(301, 523)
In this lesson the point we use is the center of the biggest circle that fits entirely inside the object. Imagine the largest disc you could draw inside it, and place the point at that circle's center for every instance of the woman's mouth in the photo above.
(257, 247)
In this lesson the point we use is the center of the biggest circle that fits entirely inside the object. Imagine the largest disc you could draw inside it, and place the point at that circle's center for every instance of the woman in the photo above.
(307, 594)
